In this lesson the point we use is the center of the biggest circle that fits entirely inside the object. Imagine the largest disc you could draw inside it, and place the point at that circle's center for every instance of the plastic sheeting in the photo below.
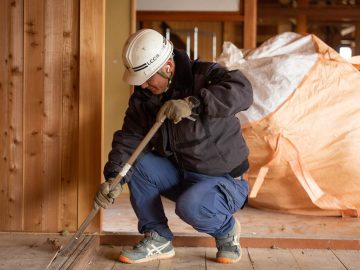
(303, 129)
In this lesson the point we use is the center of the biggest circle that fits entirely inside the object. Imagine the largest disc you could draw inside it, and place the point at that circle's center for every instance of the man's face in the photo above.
(157, 84)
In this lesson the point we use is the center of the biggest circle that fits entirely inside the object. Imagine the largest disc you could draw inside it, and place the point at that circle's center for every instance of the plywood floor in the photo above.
(195, 258)
(36, 251)
(120, 217)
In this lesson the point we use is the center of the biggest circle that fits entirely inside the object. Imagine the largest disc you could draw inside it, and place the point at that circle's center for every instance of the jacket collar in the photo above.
(183, 78)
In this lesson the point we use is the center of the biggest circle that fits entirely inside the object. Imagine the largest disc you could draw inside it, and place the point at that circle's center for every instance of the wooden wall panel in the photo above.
(33, 113)
(15, 115)
(3, 110)
(39, 113)
(92, 31)
(42, 122)
(52, 107)
(70, 115)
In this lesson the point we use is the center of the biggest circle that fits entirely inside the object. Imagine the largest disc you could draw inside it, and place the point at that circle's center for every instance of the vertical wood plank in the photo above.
(250, 18)
(4, 11)
(33, 113)
(70, 115)
(92, 30)
(53, 49)
(14, 213)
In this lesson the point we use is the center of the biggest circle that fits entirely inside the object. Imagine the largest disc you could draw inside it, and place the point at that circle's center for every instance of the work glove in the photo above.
(178, 109)
(104, 197)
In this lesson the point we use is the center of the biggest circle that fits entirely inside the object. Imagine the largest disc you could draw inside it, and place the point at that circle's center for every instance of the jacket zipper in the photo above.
(228, 192)
(177, 161)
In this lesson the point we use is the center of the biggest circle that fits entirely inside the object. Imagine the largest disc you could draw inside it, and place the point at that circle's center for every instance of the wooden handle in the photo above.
(117, 180)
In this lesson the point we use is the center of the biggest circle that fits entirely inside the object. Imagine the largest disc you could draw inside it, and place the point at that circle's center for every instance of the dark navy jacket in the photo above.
(213, 144)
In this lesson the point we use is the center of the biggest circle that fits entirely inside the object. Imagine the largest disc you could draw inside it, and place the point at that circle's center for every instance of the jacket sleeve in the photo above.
(125, 142)
(225, 93)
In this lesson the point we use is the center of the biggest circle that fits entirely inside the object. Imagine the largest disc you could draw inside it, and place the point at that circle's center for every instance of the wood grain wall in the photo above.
(51, 94)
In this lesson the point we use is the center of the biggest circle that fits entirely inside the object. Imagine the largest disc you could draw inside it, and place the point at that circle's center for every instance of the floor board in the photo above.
(29, 251)
(350, 258)
(253, 258)
(120, 217)
(104, 258)
(272, 259)
(319, 259)
(260, 229)
(185, 258)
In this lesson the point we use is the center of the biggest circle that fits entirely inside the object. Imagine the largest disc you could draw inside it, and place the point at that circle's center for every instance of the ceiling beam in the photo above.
(332, 14)
(189, 16)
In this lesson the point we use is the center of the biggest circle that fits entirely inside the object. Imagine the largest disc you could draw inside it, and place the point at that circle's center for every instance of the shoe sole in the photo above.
(238, 232)
(162, 256)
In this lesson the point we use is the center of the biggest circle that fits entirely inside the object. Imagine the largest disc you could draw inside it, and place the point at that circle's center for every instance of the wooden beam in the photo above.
(357, 39)
(301, 19)
(91, 107)
(132, 30)
(301, 24)
(250, 18)
(188, 16)
(331, 14)
(133, 17)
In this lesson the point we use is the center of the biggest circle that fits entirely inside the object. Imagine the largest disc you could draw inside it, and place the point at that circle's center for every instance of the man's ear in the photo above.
(169, 66)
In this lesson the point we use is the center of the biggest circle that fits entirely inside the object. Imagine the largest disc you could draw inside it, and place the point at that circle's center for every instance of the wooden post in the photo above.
(132, 29)
(301, 19)
(91, 107)
(357, 38)
(250, 17)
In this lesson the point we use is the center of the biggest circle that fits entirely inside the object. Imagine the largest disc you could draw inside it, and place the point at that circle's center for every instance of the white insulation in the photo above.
(275, 70)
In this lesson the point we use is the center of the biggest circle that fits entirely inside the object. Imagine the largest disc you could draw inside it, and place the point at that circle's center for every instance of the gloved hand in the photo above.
(177, 109)
(104, 197)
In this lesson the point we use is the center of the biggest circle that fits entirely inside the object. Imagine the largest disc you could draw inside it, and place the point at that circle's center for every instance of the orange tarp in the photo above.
(304, 156)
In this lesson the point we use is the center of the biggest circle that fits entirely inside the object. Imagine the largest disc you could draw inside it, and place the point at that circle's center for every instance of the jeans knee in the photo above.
(186, 210)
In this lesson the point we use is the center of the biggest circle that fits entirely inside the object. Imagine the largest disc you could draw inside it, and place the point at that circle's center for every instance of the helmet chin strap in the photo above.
(162, 73)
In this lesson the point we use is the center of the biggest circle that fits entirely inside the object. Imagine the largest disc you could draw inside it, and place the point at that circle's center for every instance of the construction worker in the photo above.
(196, 158)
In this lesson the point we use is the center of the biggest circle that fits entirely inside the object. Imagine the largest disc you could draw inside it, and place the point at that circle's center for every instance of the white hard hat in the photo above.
(144, 53)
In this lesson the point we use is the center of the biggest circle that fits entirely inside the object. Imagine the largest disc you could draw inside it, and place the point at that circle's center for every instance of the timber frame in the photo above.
(247, 14)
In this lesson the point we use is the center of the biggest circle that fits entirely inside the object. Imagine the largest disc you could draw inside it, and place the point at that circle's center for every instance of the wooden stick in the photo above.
(116, 181)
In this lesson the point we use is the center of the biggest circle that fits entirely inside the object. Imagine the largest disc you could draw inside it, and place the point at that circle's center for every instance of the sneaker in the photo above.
(152, 247)
(229, 250)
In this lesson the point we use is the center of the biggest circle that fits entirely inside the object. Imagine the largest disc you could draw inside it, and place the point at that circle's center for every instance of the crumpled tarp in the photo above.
(303, 130)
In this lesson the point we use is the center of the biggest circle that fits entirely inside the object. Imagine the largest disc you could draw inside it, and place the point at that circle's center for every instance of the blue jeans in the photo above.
(205, 202)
